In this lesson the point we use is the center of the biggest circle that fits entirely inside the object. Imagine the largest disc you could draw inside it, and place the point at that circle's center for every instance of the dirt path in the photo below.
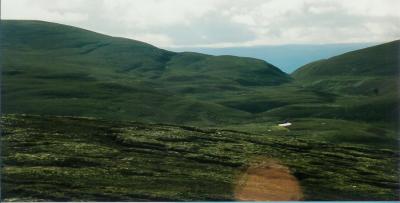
(268, 181)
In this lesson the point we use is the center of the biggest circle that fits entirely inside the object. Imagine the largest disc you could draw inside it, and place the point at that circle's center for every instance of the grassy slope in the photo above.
(366, 82)
(380, 60)
(77, 72)
(74, 159)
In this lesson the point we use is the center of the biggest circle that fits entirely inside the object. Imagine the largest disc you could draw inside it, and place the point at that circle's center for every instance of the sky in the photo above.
(221, 23)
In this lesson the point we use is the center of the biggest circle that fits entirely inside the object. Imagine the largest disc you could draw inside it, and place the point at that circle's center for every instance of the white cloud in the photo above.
(43, 10)
(373, 7)
(216, 23)
(162, 40)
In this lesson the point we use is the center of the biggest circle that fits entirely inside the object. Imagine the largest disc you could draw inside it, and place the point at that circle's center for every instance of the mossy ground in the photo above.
(86, 159)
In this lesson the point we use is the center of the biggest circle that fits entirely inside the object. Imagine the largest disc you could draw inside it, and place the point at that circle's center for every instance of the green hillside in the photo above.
(372, 70)
(367, 79)
(380, 60)
(78, 72)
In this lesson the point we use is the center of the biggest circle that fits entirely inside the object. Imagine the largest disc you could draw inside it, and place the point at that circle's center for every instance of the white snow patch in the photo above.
(285, 124)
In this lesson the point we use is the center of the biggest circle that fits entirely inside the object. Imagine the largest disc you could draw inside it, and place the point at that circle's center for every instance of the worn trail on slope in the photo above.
(268, 181)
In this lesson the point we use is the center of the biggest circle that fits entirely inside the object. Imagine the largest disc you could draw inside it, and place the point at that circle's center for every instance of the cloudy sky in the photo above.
(222, 23)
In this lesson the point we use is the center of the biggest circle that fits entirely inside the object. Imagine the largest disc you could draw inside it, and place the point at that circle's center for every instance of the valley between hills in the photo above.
(89, 117)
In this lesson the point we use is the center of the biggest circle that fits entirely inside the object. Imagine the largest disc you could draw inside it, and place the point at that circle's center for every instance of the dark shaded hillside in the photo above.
(77, 72)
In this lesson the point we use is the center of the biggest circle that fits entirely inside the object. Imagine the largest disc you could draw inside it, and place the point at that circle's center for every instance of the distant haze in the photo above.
(286, 57)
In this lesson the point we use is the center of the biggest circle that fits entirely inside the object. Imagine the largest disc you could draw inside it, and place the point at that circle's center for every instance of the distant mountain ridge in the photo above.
(125, 55)
(287, 57)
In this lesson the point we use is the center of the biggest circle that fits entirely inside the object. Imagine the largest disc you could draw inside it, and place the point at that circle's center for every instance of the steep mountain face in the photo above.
(78, 72)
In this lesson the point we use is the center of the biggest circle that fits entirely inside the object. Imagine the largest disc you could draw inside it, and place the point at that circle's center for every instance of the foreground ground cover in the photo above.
(70, 159)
